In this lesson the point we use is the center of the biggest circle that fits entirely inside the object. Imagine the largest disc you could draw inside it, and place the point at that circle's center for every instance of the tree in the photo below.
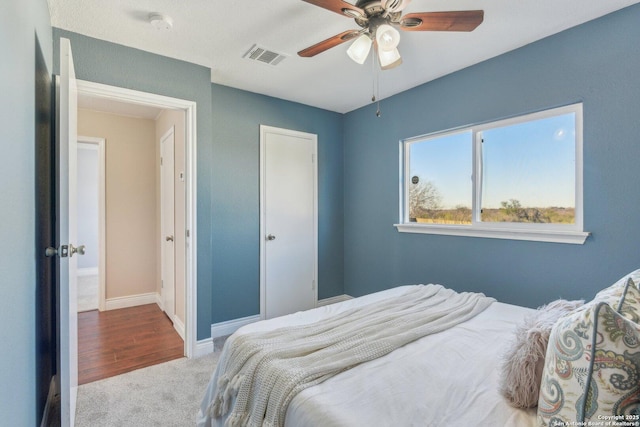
(513, 209)
(423, 197)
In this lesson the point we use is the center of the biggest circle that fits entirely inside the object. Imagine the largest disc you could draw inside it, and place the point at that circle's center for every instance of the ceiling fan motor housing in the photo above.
(374, 9)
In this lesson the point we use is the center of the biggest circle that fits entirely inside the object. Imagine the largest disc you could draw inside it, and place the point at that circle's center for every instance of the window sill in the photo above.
(571, 237)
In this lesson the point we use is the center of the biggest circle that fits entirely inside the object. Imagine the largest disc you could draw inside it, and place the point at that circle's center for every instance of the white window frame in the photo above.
(557, 233)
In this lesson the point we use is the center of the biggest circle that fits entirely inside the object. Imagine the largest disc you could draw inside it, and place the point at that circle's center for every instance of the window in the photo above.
(519, 178)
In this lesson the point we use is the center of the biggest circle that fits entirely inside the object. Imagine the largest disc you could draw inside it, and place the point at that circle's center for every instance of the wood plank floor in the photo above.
(117, 341)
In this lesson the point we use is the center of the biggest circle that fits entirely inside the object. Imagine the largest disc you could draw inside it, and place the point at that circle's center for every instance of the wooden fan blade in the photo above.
(338, 6)
(328, 43)
(463, 20)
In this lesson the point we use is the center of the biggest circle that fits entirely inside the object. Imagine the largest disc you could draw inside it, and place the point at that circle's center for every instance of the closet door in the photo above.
(288, 221)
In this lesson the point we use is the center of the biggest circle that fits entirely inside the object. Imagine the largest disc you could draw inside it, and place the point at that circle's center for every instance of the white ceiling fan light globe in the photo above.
(359, 49)
(387, 37)
(389, 59)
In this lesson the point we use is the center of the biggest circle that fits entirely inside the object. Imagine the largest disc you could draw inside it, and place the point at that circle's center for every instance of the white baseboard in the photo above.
(159, 301)
(131, 301)
(230, 326)
(178, 326)
(203, 347)
(333, 300)
(74, 404)
(92, 271)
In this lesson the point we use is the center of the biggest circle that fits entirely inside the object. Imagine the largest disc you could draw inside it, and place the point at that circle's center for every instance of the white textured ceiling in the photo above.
(217, 34)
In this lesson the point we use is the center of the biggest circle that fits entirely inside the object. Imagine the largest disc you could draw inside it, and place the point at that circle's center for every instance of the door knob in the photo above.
(73, 250)
(50, 251)
(271, 237)
(169, 238)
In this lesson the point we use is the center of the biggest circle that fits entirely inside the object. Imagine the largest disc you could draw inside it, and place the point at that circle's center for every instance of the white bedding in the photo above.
(449, 378)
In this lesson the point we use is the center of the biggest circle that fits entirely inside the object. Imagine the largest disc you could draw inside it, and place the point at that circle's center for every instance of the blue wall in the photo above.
(237, 116)
(228, 140)
(20, 22)
(596, 63)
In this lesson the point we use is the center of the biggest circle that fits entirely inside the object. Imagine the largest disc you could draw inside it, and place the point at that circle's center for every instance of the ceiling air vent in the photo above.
(266, 56)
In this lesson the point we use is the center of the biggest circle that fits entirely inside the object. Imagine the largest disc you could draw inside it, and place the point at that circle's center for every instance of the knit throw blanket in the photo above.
(260, 373)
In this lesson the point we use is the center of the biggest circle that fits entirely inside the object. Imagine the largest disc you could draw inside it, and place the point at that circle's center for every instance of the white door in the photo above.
(167, 195)
(67, 214)
(288, 221)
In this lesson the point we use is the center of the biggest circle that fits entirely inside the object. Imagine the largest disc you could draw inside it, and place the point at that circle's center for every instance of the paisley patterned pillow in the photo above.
(623, 296)
(592, 367)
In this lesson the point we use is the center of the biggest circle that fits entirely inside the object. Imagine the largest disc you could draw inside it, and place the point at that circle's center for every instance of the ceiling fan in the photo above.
(379, 20)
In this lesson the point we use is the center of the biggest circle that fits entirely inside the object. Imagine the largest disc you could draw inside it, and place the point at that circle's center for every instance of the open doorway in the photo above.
(91, 222)
(130, 273)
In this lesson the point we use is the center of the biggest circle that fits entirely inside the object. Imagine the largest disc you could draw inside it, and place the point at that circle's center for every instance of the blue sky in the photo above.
(533, 162)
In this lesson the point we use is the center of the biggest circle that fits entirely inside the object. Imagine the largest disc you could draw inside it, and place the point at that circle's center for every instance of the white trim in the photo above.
(74, 398)
(222, 329)
(573, 237)
(131, 301)
(88, 143)
(191, 242)
(178, 326)
(100, 147)
(131, 96)
(333, 300)
(159, 301)
(203, 347)
(314, 140)
(190, 109)
(89, 271)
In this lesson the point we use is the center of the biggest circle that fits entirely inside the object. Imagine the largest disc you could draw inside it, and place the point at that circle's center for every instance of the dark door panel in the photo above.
(46, 272)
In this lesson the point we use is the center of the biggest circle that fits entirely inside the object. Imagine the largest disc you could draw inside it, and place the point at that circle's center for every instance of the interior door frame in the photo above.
(102, 227)
(264, 129)
(131, 96)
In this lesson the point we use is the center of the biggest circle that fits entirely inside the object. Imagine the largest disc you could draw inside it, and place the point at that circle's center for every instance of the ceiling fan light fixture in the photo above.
(359, 49)
(387, 37)
(389, 58)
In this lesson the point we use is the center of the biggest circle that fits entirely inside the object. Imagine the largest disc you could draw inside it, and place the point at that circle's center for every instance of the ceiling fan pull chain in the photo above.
(376, 84)
(373, 78)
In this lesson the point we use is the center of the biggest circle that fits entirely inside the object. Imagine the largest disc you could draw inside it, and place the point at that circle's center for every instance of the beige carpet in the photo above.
(166, 395)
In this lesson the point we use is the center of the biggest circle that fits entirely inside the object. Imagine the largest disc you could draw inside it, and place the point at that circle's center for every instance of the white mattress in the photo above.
(449, 378)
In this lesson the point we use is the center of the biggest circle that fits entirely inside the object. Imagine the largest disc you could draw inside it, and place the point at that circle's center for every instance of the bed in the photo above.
(446, 378)
(475, 362)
